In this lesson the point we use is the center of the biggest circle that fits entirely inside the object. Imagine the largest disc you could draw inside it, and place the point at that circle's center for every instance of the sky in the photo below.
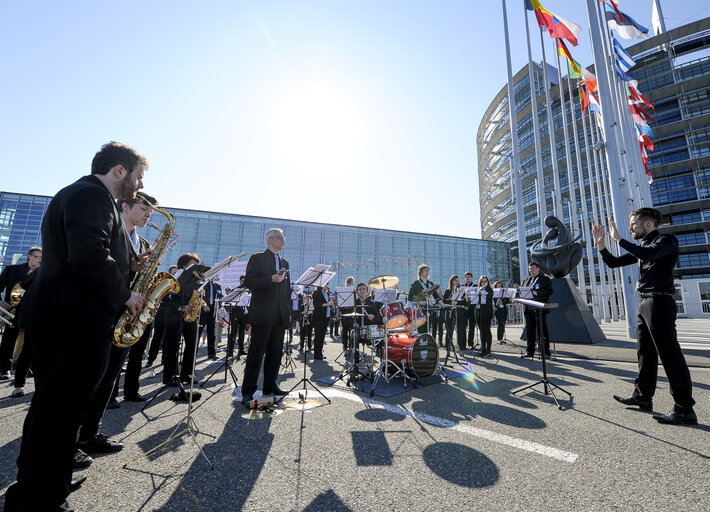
(362, 113)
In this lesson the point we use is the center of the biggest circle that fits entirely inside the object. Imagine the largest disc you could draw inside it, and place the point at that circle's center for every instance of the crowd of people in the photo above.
(91, 252)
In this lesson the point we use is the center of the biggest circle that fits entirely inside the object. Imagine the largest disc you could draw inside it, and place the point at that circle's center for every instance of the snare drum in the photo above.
(393, 315)
(375, 332)
(418, 355)
(415, 316)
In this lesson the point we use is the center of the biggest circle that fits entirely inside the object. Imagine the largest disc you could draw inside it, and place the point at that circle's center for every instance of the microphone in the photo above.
(261, 402)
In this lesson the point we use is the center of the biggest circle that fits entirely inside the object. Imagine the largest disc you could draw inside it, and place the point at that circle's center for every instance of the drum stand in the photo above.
(351, 368)
(548, 386)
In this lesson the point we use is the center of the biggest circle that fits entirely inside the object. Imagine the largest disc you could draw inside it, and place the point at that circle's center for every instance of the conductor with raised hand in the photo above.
(269, 315)
(657, 337)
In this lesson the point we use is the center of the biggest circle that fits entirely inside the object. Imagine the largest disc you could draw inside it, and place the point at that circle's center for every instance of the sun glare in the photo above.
(317, 126)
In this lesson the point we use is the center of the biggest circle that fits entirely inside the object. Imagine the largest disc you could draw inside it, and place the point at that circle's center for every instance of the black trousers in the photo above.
(158, 333)
(320, 327)
(175, 328)
(96, 407)
(7, 346)
(207, 320)
(135, 360)
(501, 319)
(63, 361)
(239, 325)
(657, 338)
(306, 335)
(22, 367)
(471, 321)
(484, 319)
(267, 345)
(531, 330)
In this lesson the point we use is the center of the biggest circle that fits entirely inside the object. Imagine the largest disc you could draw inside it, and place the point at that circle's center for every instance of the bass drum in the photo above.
(418, 355)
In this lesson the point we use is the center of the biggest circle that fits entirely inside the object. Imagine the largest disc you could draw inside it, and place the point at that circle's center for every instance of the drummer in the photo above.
(434, 299)
(366, 304)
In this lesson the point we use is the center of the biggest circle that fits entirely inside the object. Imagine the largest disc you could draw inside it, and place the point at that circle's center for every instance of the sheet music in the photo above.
(345, 296)
(526, 292)
(244, 300)
(458, 294)
(385, 293)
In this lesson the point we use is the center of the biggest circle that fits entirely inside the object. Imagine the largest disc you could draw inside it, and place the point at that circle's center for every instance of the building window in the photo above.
(704, 289)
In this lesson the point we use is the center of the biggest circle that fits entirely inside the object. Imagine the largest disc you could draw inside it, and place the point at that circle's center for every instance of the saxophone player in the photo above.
(176, 326)
(85, 263)
(134, 213)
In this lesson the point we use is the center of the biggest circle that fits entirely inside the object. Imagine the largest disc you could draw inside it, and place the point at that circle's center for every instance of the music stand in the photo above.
(319, 275)
(233, 298)
(548, 386)
(345, 298)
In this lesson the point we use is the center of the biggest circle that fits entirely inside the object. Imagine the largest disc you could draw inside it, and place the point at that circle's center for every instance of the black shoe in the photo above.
(100, 444)
(135, 398)
(276, 391)
(81, 460)
(528, 354)
(113, 404)
(319, 358)
(246, 400)
(242, 353)
(76, 483)
(186, 380)
(677, 418)
(644, 405)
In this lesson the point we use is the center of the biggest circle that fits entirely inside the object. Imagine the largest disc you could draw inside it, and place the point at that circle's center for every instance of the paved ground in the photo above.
(465, 445)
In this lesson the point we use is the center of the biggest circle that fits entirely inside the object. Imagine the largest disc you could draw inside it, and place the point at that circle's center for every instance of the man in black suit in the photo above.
(541, 288)
(434, 299)
(85, 266)
(470, 313)
(269, 315)
(207, 317)
(10, 276)
(322, 310)
(238, 323)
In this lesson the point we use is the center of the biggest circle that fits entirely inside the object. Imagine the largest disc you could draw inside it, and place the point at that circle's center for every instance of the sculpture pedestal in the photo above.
(571, 321)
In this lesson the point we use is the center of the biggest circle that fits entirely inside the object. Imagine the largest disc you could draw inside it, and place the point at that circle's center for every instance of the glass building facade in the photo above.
(673, 72)
(350, 250)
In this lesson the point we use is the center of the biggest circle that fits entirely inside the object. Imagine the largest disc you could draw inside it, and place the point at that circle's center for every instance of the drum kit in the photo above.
(402, 351)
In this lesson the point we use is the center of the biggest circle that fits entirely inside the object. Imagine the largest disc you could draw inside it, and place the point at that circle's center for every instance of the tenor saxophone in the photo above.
(152, 286)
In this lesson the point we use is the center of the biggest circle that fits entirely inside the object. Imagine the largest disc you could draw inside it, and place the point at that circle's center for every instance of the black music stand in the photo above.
(232, 298)
(319, 275)
(548, 386)
(450, 347)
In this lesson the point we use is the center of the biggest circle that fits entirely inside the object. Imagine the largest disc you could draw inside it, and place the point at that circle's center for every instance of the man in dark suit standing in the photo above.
(541, 288)
(322, 309)
(86, 261)
(207, 318)
(10, 276)
(269, 315)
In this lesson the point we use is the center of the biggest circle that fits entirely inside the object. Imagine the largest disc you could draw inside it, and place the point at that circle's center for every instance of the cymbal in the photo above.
(383, 281)
(425, 294)
(352, 314)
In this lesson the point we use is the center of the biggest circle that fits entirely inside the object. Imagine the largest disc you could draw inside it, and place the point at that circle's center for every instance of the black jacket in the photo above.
(541, 289)
(85, 261)
(270, 302)
(11, 275)
(319, 310)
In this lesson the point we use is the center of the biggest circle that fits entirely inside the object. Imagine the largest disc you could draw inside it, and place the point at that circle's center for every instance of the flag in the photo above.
(573, 67)
(589, 101)
(590, 80)
(556, 25)
(625, 25)
(623, 59)
(645, 139)
(635, 94)
(639, 110)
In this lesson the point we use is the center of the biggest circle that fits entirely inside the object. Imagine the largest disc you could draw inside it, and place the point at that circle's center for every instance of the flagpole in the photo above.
(597, 218)
(517, 191)
(542, 202)
(570, 177)
(603, 214)
(583, 198)
(610, 118)
(557, 194)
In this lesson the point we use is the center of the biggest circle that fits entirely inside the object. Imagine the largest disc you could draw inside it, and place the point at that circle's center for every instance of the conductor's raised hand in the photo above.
(598, 234)
(613, 231)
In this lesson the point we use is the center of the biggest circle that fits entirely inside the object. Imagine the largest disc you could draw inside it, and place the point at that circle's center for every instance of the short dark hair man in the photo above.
(85, 263)
(10, 276)
(541, 288)
(657, 336)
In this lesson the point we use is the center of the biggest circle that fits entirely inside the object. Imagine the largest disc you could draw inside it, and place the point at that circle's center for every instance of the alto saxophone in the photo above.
(193, 308)
(15, 298)
(153, 286)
